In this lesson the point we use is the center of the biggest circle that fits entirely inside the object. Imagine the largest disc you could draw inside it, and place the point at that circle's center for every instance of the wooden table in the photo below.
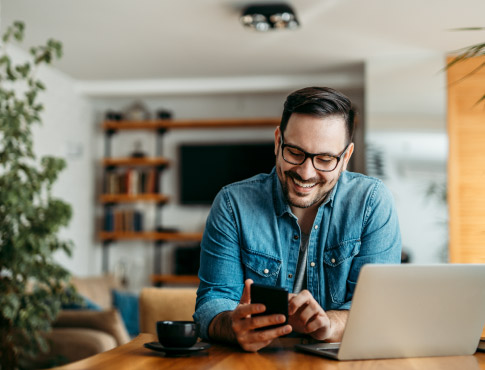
(280, 355)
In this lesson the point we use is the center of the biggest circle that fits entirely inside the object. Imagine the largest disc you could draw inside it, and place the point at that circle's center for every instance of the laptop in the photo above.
(412, 311)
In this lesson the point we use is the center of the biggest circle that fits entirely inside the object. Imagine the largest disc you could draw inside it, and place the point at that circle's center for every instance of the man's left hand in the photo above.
(306, 316)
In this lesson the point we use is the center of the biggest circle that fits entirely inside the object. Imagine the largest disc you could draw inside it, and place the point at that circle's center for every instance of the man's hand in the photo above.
(307, 317)
(243, 325)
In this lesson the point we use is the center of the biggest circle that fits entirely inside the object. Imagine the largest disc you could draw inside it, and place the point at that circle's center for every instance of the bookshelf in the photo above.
(132, 180)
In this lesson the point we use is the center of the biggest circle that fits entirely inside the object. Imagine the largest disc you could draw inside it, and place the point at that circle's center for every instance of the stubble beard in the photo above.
(298, 200)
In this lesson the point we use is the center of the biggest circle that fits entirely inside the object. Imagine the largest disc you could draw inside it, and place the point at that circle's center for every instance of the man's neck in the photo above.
(306, 217)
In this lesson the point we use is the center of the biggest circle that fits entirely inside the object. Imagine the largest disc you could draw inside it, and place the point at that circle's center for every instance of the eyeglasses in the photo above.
(321, 162)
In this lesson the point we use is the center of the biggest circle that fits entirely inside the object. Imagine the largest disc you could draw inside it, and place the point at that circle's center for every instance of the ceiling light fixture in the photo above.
(263, 17)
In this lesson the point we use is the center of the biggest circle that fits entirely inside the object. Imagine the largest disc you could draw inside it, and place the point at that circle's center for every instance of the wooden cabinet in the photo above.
(466, 171)
(120, 190)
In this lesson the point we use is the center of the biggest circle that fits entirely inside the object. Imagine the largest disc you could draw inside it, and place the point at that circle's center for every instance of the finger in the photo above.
(301, 299)
(266, 320)
(319, 324)
(244, 310)
(262, 336)
(308, 312)
(246, 295)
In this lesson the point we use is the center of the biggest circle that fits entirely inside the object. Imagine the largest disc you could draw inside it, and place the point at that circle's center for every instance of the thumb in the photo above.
(246, 295)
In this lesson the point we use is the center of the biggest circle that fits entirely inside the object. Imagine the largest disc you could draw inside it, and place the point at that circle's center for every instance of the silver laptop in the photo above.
(412, 311)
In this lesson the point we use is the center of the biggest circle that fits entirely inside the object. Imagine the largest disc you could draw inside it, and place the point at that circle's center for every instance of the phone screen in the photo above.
(275, 300)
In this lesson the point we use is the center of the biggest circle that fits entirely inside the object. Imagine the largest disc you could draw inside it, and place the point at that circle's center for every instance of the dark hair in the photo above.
(319, 102)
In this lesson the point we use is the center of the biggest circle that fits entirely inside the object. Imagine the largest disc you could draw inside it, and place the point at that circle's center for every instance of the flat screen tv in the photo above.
(206, 168)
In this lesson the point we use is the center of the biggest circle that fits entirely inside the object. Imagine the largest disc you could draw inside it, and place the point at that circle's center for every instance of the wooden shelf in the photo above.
(151, 235)
(129, 198)
(147, 161)
(191, 124)
(175, 279)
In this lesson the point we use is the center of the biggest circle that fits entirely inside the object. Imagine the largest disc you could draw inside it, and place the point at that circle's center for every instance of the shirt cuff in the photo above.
(206, 313)
(345, 306)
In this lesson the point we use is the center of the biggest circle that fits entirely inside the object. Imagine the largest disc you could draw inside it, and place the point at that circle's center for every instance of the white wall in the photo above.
(406, 121)
(66, 132)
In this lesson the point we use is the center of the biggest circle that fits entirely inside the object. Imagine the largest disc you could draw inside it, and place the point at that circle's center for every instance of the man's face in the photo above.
(303, 185)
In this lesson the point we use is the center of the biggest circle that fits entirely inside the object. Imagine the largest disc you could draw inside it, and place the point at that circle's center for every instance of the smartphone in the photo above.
(275, 300)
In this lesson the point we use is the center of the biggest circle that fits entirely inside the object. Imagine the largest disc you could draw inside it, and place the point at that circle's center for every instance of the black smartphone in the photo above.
(275, 300)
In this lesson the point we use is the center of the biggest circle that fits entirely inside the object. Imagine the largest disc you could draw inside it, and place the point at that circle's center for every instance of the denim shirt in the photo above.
(252, 233)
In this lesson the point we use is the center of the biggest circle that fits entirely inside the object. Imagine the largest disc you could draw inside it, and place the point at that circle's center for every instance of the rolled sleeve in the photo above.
(206, 313)
(345, 306)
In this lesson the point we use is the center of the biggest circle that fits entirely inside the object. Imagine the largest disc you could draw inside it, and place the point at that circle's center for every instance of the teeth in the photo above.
(303, 185)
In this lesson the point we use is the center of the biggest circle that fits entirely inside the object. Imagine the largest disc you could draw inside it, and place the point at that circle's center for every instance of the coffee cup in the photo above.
(180, 334)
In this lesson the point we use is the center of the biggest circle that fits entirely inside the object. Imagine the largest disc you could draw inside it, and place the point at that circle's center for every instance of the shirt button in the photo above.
(312, 264)
(296, 237)
(266, 271)
(332, 260)
(316, 227)
(290, 276)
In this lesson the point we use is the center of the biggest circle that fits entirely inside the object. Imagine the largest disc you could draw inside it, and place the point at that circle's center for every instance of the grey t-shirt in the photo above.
(300, 275)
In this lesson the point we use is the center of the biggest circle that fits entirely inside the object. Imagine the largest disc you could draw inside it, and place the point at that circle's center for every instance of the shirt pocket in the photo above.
(337, 263)
(260, 267)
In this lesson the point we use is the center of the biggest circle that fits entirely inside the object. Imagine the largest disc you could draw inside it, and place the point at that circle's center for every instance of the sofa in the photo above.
(80, 333)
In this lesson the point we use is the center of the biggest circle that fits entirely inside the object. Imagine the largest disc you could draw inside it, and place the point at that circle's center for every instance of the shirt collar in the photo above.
(282, 206)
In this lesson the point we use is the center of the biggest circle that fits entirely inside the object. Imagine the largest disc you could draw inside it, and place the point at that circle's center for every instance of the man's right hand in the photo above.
(244, 325)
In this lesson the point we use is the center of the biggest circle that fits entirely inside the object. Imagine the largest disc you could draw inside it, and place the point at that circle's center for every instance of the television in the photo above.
(206, 168)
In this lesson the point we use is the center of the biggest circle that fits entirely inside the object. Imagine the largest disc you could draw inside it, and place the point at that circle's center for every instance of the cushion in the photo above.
(97, 289)
(74, 344)
(127, 305)
(107, 321)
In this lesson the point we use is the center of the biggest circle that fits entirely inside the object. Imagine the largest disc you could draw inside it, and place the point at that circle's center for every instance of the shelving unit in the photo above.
(110, 201)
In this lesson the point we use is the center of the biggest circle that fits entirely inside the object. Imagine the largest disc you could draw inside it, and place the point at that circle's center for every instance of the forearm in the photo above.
(220, 328)
(338, 320)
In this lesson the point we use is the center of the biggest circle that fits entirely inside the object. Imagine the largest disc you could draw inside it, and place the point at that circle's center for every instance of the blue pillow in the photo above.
(127, 305)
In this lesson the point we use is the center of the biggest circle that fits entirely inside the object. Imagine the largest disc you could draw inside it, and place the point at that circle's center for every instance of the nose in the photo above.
(306, 169)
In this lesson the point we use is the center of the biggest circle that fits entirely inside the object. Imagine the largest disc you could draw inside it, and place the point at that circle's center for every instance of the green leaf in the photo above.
(40, 85)
(10, 306)
(481, 100)
(468, 29)
(4, 60)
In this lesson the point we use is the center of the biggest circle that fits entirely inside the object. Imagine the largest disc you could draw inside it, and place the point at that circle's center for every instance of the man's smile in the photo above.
(300, 185)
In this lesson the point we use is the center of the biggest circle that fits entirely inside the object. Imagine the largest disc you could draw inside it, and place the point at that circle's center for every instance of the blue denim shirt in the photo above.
(252, 233)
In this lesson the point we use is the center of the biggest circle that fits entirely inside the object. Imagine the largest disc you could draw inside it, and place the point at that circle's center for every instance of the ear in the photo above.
(348, 154)
(277, 140)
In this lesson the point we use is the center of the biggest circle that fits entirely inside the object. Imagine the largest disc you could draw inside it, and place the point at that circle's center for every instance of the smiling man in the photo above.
(308, 226)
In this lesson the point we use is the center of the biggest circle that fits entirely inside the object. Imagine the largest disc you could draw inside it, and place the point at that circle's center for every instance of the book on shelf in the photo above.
(123, 220)
(132, 181)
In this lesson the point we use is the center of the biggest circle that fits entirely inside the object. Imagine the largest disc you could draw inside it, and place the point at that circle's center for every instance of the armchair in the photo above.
(158, 304)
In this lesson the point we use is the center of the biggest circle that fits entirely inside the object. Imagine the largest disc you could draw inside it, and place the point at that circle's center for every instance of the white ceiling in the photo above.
(157, 39)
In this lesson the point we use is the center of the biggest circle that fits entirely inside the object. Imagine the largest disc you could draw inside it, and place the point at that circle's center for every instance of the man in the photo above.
(308, 226)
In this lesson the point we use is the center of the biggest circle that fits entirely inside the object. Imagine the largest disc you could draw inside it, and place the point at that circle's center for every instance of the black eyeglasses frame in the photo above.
(311, 155)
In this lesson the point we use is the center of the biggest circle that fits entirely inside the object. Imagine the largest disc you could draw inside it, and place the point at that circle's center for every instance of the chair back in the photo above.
(159, 304)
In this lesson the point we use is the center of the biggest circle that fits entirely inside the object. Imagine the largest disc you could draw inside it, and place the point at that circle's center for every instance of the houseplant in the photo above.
(32, 285)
